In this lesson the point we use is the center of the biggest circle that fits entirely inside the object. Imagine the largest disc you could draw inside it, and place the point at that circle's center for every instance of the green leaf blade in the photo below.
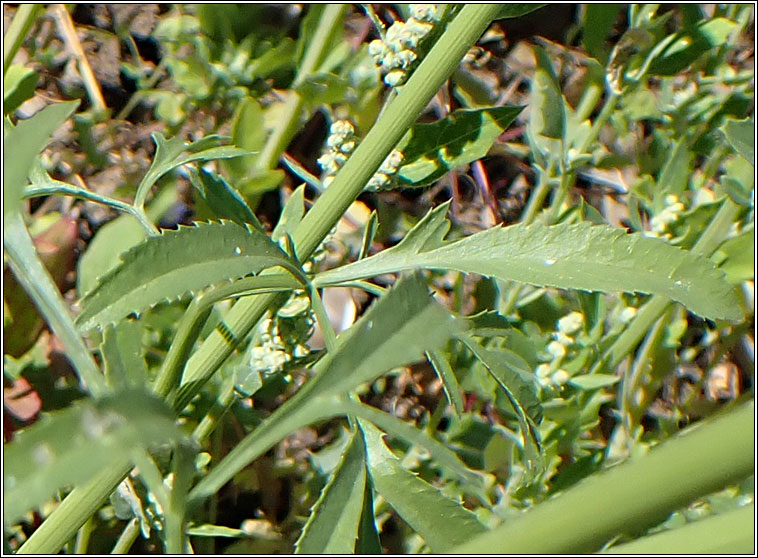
(443, 523)
(176, 262)
(432, 150)
(741, 136)
(395, 331)
(73, 445)
(565, 256)
(332, 527)
(23, 143)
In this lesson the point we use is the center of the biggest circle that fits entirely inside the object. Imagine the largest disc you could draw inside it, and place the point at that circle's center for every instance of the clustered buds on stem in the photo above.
(551, 374)
(341, 142)
(283, 336)
(399, 49)
(659, 224)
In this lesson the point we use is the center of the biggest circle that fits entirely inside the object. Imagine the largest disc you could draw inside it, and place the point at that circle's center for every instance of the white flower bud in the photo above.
(571, 323)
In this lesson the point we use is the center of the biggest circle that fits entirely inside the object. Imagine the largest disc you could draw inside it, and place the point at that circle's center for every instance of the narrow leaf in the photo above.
(368, 538)
(176, 262)
(291, 215)
(123, 356)
(442, 522)
(332, 527)
(431, 150)
(567, 256)
(449, 381)
(593, 381)
(73, 445)
(520, 391)
(19, 85)
(395, 331)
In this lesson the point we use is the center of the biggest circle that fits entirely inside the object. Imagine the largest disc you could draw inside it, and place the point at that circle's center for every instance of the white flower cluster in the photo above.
(339, 145)
(551, 374)
(283, 336)
(659, 224)
(341, 142)
(397, 52)
(383, 178)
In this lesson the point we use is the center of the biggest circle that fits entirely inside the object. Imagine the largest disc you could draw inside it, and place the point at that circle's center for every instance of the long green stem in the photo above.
(441, 61)
(36, 280)
(18, 30)
(289, 121)
(640, 492)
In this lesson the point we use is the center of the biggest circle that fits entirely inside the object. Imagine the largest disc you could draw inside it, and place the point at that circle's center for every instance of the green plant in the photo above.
(146, 428)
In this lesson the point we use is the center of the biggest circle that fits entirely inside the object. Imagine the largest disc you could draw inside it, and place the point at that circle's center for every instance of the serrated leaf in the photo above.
(566, 256)
(169, 155)
(332, 527)
(224, 200)
(173, 263)
(431, 150)
(21, 145)
(71, 446)
(114, 238)
(741, 136)
(442, 522)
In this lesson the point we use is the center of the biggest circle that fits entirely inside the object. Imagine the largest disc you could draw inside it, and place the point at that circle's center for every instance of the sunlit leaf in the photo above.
(18, 85)
(223, 199)
(397, 330)
(593, 381)
(741, 136)
(21, 145)
(176, 262)
(568, 256)
(431, 150)
(170, 154)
